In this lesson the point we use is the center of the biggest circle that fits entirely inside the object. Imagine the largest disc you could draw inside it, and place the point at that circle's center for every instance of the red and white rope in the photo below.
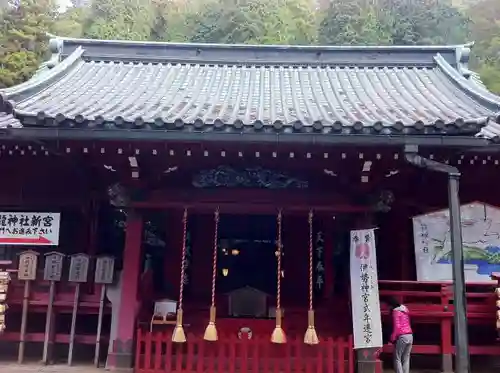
(278, 290)
(183, 258)
(214, 262)
(310, 260)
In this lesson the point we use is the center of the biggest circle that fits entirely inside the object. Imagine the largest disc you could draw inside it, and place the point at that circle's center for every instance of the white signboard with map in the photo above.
(480, 237)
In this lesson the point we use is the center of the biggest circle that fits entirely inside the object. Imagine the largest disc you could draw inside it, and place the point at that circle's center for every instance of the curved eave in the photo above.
(491, 128)
(481, 95)
(311, 139)
(460, 127)
(39, 82)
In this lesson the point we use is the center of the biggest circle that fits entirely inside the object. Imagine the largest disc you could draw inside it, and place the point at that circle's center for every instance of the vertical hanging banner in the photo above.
(188, 262)
(319, 263)
(365, 302)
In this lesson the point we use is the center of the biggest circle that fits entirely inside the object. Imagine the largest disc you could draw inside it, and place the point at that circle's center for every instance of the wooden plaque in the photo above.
(79, 268)
(28, 261)
(104, 270)
(4, 281)
(53, 266)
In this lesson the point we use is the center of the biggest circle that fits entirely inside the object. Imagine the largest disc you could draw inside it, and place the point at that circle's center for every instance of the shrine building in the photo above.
(201, 207)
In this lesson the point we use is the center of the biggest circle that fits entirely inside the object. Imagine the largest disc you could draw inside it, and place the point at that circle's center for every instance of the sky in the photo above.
(64, 4)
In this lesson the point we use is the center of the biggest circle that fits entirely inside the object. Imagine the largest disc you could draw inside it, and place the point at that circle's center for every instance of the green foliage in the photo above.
(490, 74)
(70, 23)
(120, 19)
(23, 40)
(398, 22)
(254, 22)
(350, 22)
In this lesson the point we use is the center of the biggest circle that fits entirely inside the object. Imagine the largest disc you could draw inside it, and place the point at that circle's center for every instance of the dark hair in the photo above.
(392, 302)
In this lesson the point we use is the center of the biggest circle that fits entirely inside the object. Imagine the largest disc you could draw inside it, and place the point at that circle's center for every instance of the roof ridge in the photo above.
(159, 52)
(83, 41)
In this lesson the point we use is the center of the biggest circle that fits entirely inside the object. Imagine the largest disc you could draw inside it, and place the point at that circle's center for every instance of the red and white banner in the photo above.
(367, 323)
(29, 228)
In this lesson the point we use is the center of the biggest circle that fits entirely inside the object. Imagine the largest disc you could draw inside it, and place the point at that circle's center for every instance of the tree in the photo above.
(23, 39)
(171, 21)
(71, 22)
(425, 22)
(398, 22)
(349, 22)
(255, 22)
(120, 19)
(485, 30)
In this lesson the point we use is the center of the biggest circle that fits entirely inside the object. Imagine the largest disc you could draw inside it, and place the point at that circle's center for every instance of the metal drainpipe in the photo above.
(460, 314)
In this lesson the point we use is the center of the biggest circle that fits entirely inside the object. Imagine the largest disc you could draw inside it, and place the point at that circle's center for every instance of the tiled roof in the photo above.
(240, 88)
(8, 121)
(491, 130)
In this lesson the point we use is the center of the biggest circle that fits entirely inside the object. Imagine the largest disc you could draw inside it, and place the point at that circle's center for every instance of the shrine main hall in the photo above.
(204, 202)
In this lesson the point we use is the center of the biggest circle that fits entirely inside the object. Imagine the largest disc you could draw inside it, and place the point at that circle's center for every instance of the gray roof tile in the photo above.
(290, 95)
(8, 121)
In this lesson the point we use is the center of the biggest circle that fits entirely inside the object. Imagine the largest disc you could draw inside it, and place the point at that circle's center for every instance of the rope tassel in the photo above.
(278, 335)
(211, 330)
(311, 337)
(178, 335)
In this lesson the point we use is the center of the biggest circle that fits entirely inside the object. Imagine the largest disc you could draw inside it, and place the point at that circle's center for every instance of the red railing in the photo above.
(432, 303)
(156, 353)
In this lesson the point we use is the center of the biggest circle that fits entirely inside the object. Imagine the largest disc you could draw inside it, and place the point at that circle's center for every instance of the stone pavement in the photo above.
(37, 368)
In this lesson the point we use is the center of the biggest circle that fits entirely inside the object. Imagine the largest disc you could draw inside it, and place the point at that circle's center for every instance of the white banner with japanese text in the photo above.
(29, 228)
(367, 323)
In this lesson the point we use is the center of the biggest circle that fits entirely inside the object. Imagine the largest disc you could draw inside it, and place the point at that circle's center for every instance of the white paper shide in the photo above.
(367, 324)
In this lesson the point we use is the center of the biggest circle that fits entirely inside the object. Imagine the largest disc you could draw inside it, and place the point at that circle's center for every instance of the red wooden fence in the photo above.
(156, 353)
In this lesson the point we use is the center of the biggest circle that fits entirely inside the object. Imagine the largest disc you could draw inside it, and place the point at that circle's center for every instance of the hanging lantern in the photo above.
(235, 252)
(225, 272)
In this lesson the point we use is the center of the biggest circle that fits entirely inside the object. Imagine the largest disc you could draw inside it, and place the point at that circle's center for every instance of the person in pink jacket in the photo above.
(401, 336)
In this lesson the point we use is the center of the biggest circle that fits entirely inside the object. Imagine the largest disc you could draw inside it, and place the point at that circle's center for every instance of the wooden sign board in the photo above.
(28, 262)
(79, 268)
(53, 266)
(4, 281)
(104, 270)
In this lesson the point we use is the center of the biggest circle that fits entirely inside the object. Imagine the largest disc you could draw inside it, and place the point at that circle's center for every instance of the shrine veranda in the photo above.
(128, 165)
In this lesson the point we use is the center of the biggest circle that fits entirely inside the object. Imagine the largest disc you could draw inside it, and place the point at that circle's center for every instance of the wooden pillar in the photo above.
(123, 346)
(446, 333)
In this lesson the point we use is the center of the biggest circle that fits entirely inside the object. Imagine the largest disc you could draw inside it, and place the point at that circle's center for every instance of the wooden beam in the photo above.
(250, 201)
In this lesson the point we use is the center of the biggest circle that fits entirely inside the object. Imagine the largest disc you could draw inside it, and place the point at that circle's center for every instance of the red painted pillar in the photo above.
(123, 346)
(327, 228)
